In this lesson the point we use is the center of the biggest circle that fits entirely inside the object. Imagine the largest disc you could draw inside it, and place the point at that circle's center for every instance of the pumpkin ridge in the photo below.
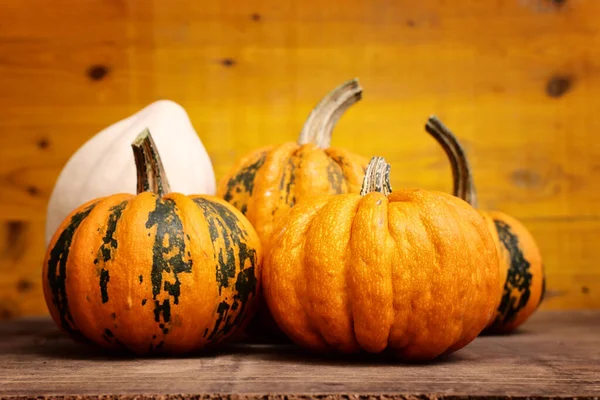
(169, 239)
(57, 273)
(366, 298)
(224, 224)
(519, 277)
(400, 248)
(347, 270)
(347, 275)
(315, 256)
(346, 203)
(453, 214)
(311, 325)
(109, 245)
(407, 208)
(396, 264)
(297, 219)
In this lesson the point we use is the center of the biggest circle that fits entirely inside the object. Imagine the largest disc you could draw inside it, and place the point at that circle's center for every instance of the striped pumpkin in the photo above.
(266, 183)
(152, 272)
(522, 281)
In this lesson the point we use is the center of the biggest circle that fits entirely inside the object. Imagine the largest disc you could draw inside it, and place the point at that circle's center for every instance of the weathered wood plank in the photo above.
(555, 354)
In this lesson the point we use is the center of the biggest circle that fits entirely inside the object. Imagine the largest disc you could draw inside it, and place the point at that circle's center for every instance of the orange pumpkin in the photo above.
(266, 183)
(408, 272)
(522, 281)
(155, 272)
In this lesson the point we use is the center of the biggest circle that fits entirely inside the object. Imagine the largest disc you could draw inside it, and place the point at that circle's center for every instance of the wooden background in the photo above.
(517, 80)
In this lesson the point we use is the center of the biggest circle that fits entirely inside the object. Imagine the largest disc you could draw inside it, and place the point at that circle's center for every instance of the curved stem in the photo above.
(319, 125)
(377, 177)
(464, 187)
(151, 175)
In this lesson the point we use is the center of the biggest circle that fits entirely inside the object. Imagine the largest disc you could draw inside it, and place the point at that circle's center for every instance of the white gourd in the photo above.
(104, 165)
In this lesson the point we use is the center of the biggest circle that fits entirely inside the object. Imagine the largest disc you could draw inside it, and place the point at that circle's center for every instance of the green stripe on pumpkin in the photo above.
(109, 245)
(224, 224)
(288, 179)
(57, 271)
(168, 257)
(243, 181)
(517, 289)
(336, 178)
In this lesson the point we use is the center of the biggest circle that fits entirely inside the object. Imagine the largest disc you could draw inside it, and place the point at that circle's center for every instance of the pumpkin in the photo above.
(408, 273)
(156, 272)
(522, 281)
(104, 165)
(266, 183)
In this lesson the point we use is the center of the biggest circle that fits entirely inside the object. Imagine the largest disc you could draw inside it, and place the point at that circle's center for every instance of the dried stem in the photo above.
(464, 187)
(151, 175)
(377, 177)
(318, 128)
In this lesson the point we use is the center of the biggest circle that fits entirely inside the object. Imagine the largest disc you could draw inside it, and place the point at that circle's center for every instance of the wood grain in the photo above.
(515, 79)
(21, 255)
(542, 360)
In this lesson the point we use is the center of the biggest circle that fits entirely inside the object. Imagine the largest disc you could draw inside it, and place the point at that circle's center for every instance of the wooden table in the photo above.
(556, 354)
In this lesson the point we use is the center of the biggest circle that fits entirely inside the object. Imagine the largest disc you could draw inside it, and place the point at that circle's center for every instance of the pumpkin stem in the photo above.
(377, 177)
(151, 176)
(319, 125)
(464, 187)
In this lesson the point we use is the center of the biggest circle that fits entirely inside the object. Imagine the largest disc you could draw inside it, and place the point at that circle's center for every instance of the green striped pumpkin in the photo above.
(153, 272)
